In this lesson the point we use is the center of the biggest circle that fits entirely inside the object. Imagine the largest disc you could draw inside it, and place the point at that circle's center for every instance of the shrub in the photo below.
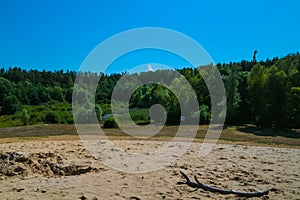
(106, 108)
(84, 116)
(110, 123)
(140, 116)
(66, 117)
(99, 112)
(25, 117)
(35, 117)
(52, 117)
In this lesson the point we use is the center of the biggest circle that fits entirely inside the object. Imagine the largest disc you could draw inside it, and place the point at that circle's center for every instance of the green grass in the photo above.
(7, 124)
(232, 134)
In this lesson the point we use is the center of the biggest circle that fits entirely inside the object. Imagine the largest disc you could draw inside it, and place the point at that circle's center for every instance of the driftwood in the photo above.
(221, 191)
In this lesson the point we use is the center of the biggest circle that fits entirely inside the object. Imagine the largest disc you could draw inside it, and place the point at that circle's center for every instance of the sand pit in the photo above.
(66, 170)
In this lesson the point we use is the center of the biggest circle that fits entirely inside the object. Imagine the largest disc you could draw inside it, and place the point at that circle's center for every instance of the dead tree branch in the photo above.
(197, 184)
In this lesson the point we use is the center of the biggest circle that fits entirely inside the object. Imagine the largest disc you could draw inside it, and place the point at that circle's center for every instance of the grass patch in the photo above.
(232, 135)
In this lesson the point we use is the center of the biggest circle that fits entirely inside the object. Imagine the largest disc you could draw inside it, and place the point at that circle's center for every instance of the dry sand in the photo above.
(66, 170)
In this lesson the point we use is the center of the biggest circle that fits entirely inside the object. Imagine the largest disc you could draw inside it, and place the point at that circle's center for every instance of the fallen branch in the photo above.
(221, 191)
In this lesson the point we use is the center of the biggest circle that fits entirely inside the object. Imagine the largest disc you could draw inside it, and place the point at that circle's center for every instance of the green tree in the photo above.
(232, 94)
(294, 108)
(25, 118)
(33, 93)
(185, 93)
(163, 96)
(5, 88)
(276, 87)
(69, 93)
(57, 94)
(10, 105)
(204, 114)
(201, 90)
(257, 92)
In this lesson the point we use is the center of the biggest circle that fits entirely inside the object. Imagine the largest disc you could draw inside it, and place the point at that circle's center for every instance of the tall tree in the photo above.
(257, 93)
(232, 94)
(276, 87)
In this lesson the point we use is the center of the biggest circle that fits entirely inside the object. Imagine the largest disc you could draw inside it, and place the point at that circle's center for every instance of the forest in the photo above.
(264, 93)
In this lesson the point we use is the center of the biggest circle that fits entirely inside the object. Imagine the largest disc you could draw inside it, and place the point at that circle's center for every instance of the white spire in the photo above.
(149, 68)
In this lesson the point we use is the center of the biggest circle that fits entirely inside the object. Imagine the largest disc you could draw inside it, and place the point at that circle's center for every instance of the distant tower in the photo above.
(149, 68)
(254, 56)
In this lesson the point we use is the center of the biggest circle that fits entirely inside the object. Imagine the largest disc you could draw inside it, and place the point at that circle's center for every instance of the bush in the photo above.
(106, 108)
(52, 117)
(10, 120)
(35, 117)
(140, 116)
(99, 112)
(66, 117)
(203, 113)
(62, 113)
(25, 117)
(110, 123)
(84, 116)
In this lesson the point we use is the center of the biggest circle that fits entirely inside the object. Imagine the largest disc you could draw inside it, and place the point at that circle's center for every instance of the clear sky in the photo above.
(53, 34)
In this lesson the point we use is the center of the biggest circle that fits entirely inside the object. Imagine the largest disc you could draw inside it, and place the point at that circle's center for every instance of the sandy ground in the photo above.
(66, 170)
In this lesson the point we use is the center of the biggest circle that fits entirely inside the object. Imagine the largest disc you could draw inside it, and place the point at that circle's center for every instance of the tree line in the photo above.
(265, 93)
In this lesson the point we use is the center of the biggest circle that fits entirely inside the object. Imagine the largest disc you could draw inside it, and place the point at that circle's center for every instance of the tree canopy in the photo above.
(265, 93)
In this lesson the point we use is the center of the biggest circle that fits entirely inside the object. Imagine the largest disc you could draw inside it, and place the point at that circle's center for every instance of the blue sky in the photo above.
(52, 34)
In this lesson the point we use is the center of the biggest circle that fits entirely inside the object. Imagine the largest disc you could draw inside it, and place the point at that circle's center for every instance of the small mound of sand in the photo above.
(45, 164)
